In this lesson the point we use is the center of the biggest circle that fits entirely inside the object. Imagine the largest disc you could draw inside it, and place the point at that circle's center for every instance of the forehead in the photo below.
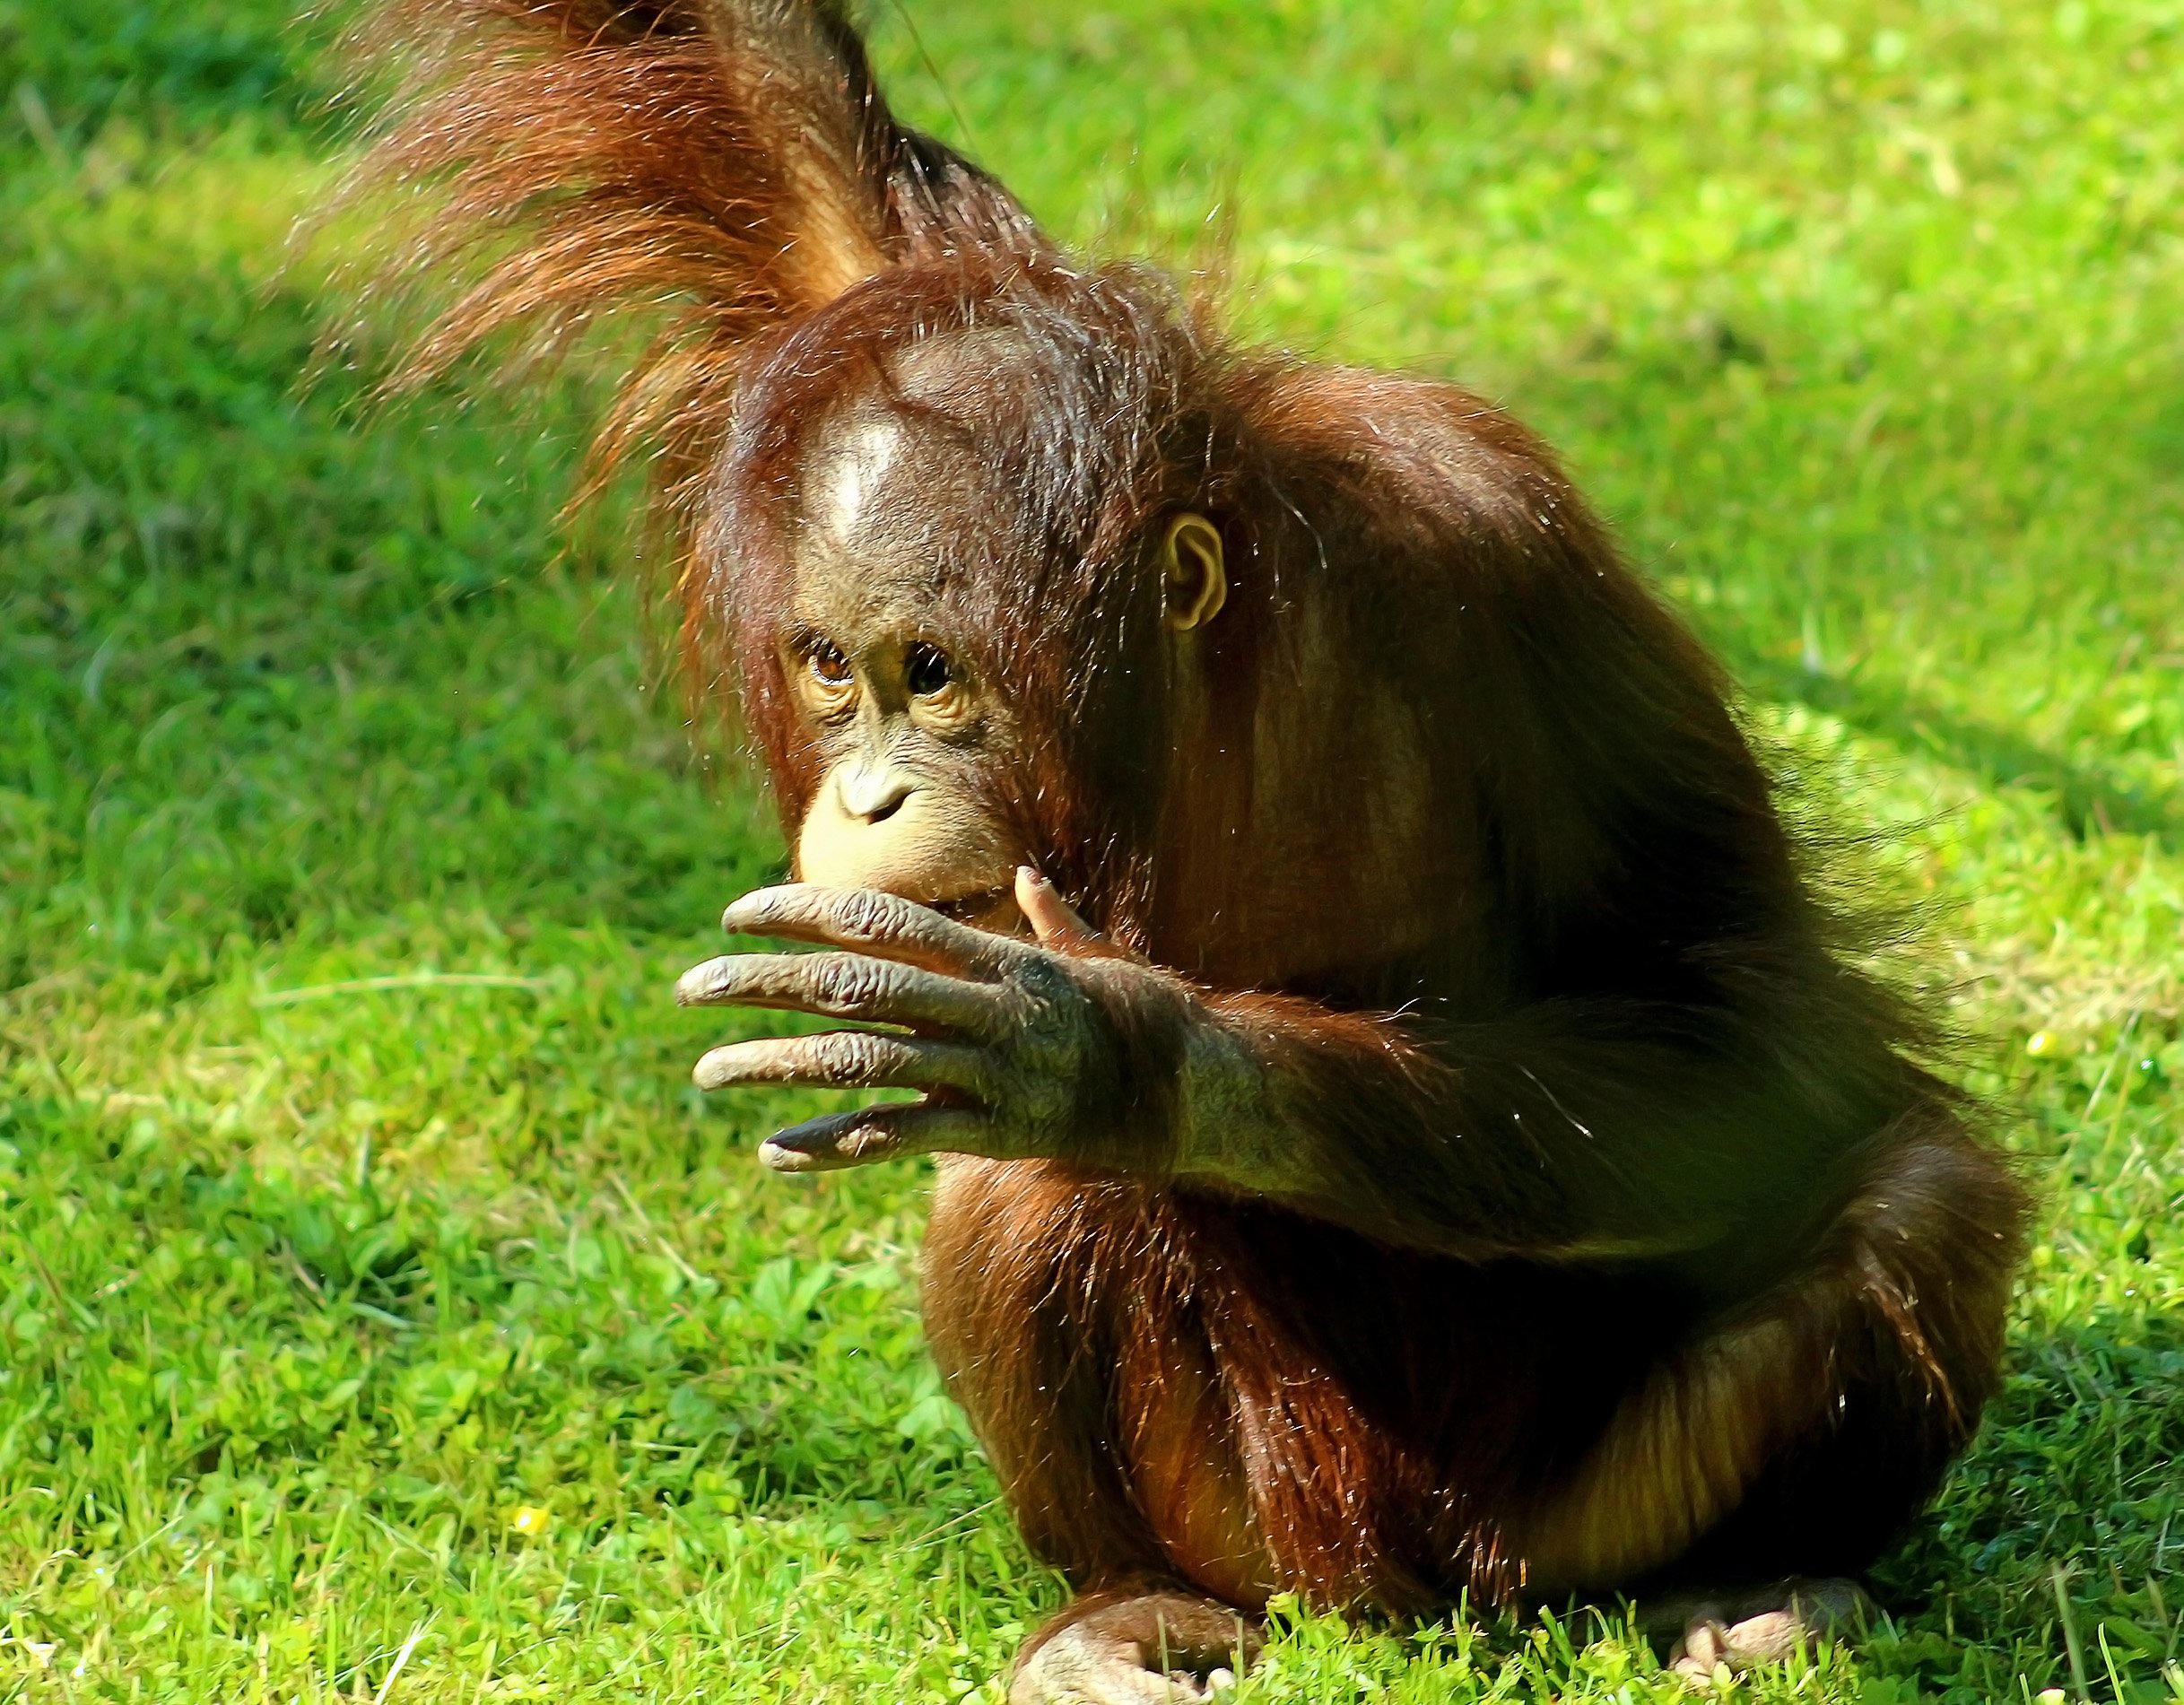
(889, 531)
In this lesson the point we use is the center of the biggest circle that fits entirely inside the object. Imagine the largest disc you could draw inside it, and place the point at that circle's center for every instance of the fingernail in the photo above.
(1034, 876)
(775, 1158)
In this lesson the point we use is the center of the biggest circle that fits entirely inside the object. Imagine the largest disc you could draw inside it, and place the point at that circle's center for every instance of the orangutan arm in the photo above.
(1570, 1131)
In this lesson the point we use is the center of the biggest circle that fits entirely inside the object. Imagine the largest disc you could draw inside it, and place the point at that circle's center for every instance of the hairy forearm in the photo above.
(1556, 1133)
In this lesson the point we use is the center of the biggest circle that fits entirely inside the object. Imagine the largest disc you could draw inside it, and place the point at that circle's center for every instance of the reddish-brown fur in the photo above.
(1632, 1239)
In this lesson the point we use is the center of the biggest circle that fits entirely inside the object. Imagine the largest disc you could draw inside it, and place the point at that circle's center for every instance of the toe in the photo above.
(1766, 1639)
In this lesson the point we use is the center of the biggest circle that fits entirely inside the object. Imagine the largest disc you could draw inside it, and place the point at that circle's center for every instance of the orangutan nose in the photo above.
(875, 794)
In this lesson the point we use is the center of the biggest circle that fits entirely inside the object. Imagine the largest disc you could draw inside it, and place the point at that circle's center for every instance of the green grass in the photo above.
(340, 1322)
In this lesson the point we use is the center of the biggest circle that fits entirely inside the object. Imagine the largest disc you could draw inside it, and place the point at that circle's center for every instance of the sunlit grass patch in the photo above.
(381, 1314)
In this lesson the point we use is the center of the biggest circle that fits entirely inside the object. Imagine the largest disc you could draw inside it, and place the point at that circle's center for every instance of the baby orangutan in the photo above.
(1405, 1127)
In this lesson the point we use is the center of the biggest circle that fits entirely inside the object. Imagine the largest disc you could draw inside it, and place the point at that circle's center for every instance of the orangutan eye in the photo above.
(828, 665)
(927, 671)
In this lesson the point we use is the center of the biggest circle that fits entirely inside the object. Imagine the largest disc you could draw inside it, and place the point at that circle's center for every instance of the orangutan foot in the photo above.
(1758, 1625)
(1137, 1648)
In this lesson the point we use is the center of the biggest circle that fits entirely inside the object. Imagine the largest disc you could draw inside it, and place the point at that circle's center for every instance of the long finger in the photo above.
(1055, 923)
(886, 925)
(856, 986)
(843, 1060)
(874, 1133)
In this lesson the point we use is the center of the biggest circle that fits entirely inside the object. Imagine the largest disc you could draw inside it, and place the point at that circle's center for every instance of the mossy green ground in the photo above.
(382, 1317)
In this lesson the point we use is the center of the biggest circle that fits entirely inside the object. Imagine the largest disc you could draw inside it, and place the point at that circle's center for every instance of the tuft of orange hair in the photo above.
(722, 168)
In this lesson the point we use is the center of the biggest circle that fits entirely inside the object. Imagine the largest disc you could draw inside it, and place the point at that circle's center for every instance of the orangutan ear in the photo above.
(1194, 580)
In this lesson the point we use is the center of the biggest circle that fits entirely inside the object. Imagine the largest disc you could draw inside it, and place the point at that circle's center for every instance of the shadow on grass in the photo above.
(2088, 800)
(2055, 1529)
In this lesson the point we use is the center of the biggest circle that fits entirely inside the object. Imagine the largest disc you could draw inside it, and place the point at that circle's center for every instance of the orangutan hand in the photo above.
(1017, 1044)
